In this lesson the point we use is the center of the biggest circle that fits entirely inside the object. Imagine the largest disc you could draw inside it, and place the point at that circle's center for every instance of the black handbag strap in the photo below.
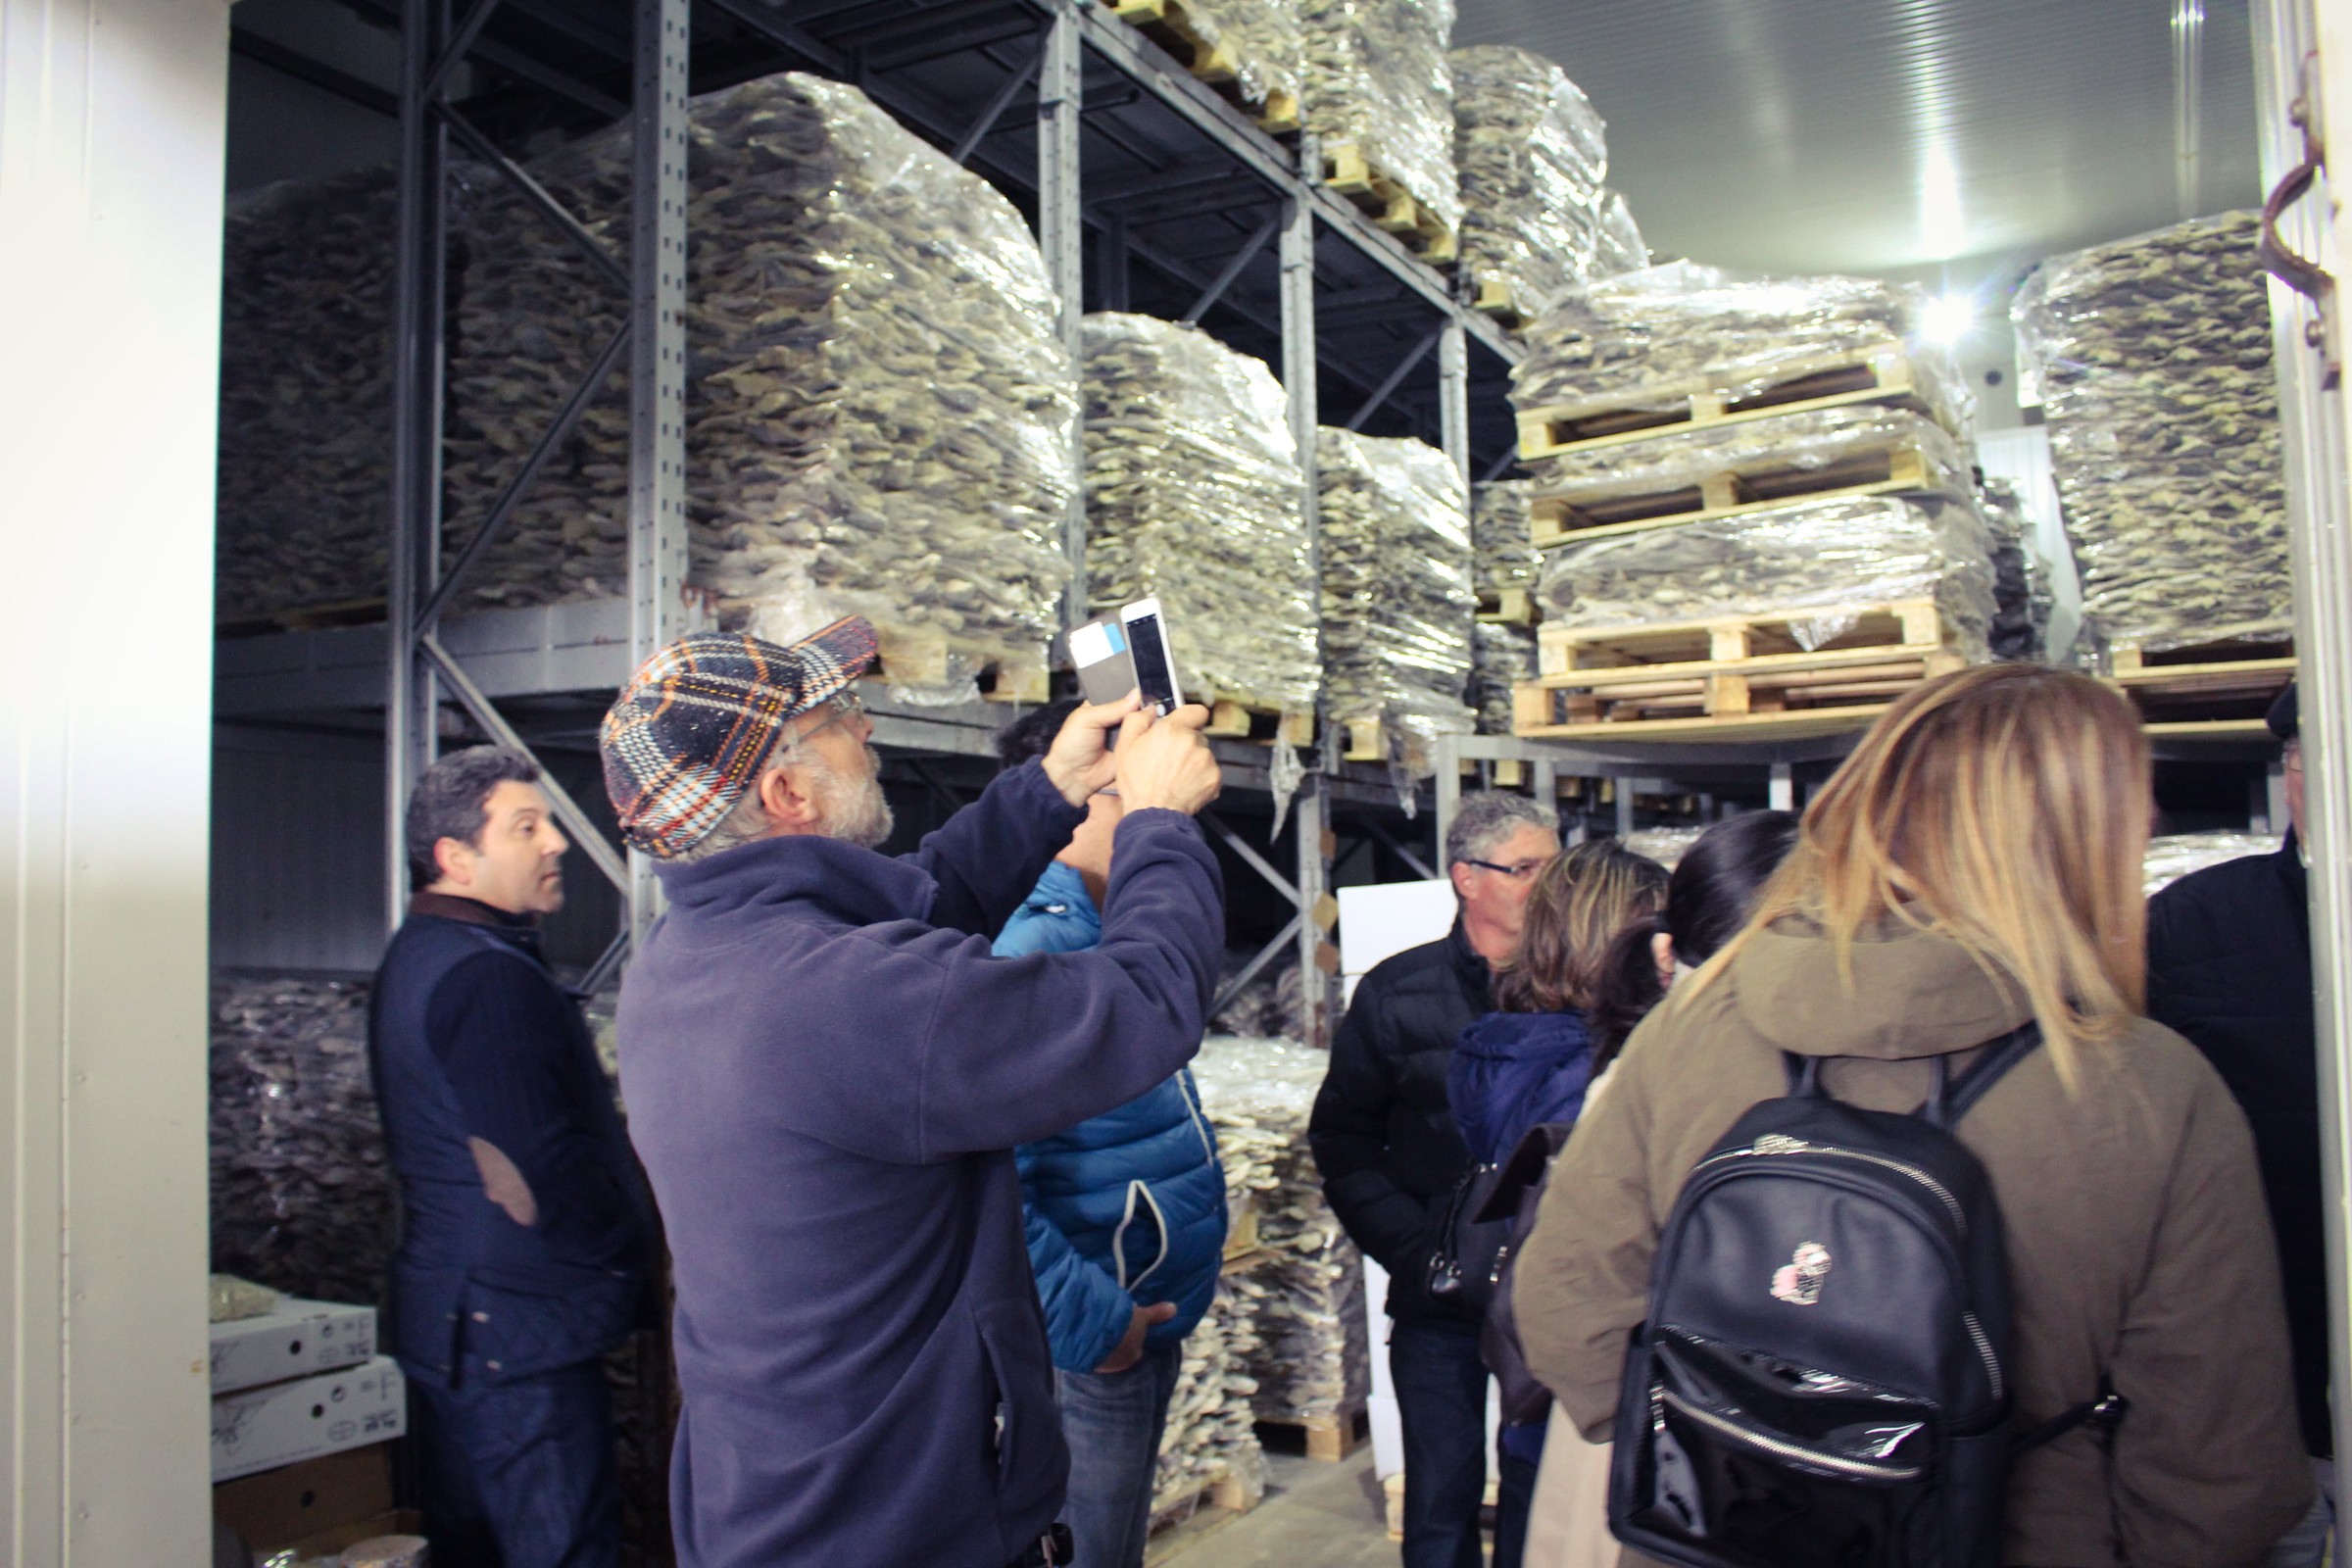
(2102, 1414)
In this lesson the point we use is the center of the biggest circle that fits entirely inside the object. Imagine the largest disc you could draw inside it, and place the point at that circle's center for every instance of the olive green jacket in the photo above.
(2138, 1245)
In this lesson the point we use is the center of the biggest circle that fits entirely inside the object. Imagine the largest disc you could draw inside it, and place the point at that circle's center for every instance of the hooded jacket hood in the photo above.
(1910, 993)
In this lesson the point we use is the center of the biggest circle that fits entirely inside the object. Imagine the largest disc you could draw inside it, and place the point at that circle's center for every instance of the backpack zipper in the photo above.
(1862, 1468)
(1779, 1144)
(1993, 1364)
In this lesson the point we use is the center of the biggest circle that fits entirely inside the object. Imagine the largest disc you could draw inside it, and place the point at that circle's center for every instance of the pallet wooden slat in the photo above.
(1507, 607)
(1168, 24)
(1387, 203)
(2207, 690)
(1325, 1438)
(1556, 519)
(1882, 377)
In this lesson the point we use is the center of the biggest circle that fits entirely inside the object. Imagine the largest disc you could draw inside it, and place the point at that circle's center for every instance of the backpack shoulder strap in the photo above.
(1950, 1101)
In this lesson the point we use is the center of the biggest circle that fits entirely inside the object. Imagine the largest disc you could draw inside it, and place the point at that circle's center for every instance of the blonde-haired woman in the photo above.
(1975, 863)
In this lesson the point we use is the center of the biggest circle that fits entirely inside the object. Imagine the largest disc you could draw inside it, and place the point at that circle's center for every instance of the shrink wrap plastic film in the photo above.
(2021, 577)
(1272, 1005)
(1192, 494)
(1665, 844)
(1683, 327)
(1533, 153)
(1617, 243)
(1397, 600)
(2154, 361)
(878, 404)
(1377, 77)
(1210, 1432)
(2174, 855)
(1782, 561)
(1499, 533)
(301, 1192)
(1261, 39)
(1816, 439)
(304, 484)
(1501, 656)
(1306, 1295)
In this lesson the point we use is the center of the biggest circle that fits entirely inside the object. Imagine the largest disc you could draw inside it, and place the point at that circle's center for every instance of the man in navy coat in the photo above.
(826, 1071)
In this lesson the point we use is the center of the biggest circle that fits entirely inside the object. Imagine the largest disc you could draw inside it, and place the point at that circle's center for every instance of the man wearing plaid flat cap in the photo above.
(827, 1069)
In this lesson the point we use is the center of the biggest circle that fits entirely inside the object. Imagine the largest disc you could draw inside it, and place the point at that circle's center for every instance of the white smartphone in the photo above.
(1105, 669)
(1154, 666)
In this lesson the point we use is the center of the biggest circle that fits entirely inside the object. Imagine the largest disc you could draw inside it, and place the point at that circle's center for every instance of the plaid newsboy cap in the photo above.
(688, 734)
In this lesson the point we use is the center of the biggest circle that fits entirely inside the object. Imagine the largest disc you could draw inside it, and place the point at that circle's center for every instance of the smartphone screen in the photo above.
(1152, 677)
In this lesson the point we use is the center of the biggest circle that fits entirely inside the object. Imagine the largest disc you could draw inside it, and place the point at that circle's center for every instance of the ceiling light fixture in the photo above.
(1947, 319)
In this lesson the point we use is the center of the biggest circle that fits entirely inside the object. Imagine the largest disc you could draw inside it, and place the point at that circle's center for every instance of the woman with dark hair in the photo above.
(1708, 900)
(1529, 1064)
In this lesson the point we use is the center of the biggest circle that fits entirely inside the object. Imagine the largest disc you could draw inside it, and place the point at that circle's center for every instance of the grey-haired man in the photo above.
(1385, 1142)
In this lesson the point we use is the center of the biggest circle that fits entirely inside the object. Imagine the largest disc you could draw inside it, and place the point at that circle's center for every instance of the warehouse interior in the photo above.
(501, 341)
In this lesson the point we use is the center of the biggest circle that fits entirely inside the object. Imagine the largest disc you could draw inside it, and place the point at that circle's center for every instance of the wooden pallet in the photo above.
(922, 656)
(1386, 202)
(2215, 690)
(1168, 24)
(1693, 403)
(1241, 719)
(1506, 606)
(1747, 675)
(1179, 1525)
(1329, 1439)
(1509, 772)
(1495, 298)
(1596, 513)
(303, 617)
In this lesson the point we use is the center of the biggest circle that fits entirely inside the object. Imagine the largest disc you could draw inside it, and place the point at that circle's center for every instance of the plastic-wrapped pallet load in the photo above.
(302, 1196)
(1192, 494)
(1503, 563)
(2176, 854)
(1532, 153)
(1212, 1434)
(1617, 243)
(1500, 657)
(1728, 464)
(1378, 80)
(1821, 554)
(1647, 339)
(2021, 577)
(1307, 1297)
(1255, 44)
(2154, 361)
(305, 465)
(1397, 600)
(878, 402)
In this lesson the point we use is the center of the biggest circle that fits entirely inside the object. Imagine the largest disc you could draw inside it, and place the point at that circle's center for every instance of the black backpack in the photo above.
(1821, 1378)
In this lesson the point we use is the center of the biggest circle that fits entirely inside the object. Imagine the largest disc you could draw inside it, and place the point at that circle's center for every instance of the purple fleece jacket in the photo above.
(826, 1071)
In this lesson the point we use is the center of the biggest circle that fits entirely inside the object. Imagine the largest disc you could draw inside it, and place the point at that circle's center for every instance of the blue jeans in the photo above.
(1441, 1400)
(1112, 1421)
(2306, 1546)
(520, 1474)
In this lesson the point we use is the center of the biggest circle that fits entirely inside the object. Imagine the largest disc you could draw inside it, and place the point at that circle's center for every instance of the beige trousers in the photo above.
(1568, 1524)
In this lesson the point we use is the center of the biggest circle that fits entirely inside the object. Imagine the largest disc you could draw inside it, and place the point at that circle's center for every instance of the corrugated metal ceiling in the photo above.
(1880, 135)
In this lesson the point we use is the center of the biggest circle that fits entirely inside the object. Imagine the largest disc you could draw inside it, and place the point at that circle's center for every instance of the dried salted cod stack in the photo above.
(1378, 79)
(1260, 41)
(1789, 559)
(1194, 495)
(1397, 600)
(1685, 328)
(2176, 854)
(2021, 577)
(1532, 153)
(305, 477)
(1212, 1432)
(1500, 655)
(1306, 1295)
(2154, 357)
(302, 1196)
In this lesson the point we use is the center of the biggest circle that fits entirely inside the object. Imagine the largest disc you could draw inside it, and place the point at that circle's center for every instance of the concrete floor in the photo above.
(1315, 1515)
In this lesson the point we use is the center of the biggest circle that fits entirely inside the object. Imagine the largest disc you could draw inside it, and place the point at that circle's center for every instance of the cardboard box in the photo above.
(261, 1429)
(280, 1506)
(298, 1339)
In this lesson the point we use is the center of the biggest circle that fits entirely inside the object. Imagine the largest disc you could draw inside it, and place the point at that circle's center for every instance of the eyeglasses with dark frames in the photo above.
(1518, 871)
(845, 704)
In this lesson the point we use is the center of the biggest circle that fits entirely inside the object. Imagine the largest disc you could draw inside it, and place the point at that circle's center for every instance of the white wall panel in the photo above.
(112, 115)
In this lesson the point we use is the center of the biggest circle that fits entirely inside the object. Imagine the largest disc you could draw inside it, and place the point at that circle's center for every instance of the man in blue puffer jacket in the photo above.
(1126, 1221)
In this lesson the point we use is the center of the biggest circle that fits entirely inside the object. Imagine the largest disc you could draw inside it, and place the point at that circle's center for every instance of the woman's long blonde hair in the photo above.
(2006, 807)
(1578, 903)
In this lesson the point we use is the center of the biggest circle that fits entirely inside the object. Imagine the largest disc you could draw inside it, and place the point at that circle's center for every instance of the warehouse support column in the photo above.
(1453, 396)
(112, 120)
(1061, 235)
(657, 557)
(1318, 959)
(418, 311)
(2319, 488)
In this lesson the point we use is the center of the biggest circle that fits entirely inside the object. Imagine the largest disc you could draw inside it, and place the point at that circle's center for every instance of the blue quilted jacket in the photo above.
(1127, 1207)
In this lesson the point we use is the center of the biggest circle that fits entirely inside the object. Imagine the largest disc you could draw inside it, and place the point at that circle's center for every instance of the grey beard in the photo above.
(856, 811)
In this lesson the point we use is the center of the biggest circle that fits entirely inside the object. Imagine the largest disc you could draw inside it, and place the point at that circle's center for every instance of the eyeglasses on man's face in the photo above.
(1517, 870)
(837, 708)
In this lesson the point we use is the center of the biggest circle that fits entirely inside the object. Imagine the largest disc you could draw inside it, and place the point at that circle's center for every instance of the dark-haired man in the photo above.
(525, 1228)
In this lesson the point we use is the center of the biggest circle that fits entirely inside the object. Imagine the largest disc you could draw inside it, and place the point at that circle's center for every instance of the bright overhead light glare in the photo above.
(1947, 319)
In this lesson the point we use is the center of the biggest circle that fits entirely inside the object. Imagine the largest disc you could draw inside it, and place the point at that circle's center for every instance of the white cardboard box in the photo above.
(261, 1429)
(298, 1339)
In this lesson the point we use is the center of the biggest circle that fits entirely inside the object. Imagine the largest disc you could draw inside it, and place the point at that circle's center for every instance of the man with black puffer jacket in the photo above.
(1390, 1156)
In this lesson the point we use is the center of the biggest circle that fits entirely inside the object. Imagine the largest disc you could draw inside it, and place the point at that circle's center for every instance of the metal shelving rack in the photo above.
(1149, 192)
